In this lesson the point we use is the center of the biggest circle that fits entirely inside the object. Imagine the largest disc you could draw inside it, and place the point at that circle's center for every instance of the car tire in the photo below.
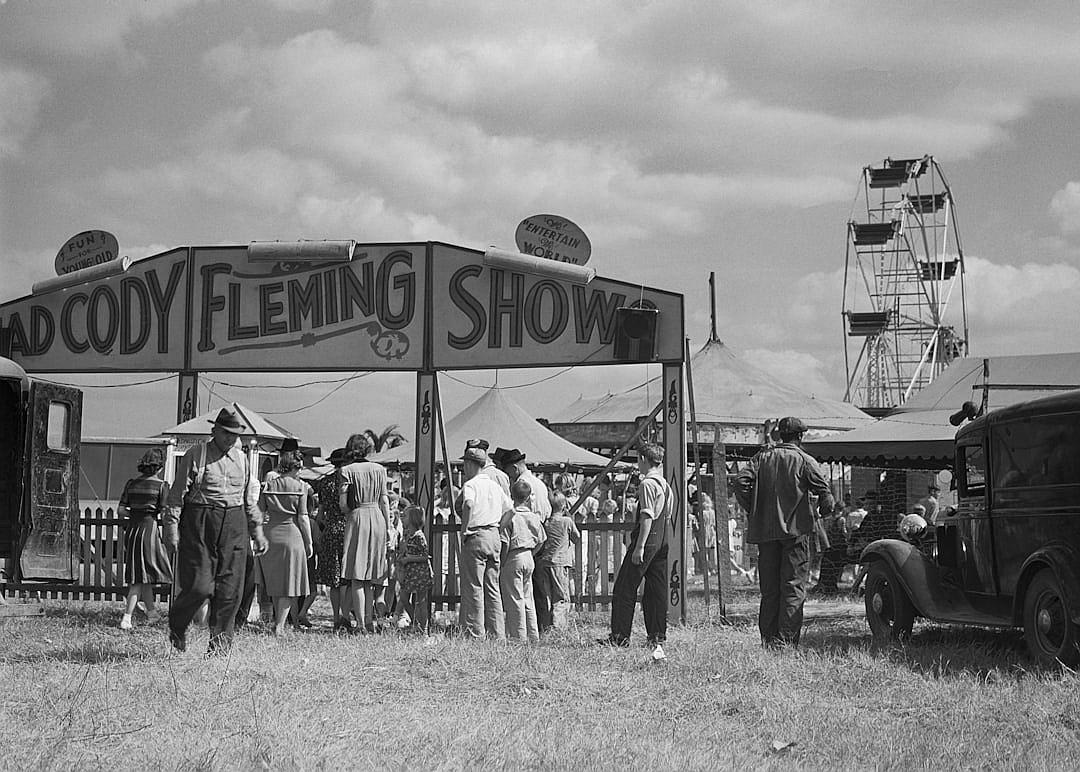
(1050, 634)
(889, 611)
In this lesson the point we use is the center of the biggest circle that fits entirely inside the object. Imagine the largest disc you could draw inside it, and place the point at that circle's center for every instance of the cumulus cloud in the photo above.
(22, 94)
(78, 29)
(1065, 208)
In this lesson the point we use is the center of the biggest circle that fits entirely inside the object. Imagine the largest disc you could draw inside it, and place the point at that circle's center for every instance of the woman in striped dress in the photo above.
(145, 561)
(364, 496)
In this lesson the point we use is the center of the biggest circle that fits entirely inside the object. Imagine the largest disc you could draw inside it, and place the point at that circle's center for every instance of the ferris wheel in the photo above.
(905, 310)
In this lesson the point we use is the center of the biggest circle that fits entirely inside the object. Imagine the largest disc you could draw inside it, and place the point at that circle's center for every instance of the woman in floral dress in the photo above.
(328, 569)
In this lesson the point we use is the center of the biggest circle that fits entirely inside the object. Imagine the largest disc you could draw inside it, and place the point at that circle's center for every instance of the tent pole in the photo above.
(702, 553)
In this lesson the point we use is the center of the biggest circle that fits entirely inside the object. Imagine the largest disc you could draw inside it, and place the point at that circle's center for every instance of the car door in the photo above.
(50, 519)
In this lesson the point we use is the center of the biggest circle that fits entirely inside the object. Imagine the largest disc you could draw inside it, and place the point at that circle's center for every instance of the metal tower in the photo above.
(902, 322)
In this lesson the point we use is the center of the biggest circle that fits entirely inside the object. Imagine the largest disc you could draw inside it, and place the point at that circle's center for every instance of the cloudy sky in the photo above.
(683, 137)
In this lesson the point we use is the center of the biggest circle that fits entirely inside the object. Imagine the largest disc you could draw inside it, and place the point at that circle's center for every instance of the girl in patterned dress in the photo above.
(145, 561)
(414, 570)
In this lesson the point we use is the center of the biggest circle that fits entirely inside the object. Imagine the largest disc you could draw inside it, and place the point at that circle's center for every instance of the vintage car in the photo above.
(1008, 555)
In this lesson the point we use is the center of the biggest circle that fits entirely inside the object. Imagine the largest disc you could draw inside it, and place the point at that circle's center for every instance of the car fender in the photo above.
(916, 574)
(1062, 561)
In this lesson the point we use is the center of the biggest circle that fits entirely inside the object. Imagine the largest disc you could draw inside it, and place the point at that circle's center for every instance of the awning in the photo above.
(920, 440)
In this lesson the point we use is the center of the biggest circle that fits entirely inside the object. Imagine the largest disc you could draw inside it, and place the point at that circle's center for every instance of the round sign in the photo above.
(554, 238)
(87, 249)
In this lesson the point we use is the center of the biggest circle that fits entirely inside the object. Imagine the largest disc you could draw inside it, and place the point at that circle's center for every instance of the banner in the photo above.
(206, 309)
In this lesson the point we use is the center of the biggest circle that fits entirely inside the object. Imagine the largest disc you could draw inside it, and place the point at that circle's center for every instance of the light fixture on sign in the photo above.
(303, 251)
(82, 276)
(538, 266)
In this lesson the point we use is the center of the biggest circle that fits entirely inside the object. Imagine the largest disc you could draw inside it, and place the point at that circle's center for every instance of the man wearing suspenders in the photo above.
(213, 511)
(646, 558)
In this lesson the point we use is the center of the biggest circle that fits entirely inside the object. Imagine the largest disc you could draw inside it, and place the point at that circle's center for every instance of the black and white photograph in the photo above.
(663, 385)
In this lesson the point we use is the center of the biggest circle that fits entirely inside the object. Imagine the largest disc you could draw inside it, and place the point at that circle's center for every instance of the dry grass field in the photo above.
(77, 692)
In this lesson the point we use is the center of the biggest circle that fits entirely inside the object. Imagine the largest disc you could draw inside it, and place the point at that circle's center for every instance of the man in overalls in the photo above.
(213, 510)
(647, 557)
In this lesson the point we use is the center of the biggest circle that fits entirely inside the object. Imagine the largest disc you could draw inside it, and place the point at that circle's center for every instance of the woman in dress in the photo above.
(365, 498)
(145, 561)
(328, 569)
(283, 568)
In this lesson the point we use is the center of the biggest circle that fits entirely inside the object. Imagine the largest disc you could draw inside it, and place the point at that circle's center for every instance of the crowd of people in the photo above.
(226, 540)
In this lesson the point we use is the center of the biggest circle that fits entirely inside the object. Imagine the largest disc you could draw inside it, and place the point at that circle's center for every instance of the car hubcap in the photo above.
(1044, 621)
(1050, 621)
(877, 603)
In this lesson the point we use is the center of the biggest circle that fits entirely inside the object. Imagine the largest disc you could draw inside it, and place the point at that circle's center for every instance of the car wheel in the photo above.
(889, 611)
(1049, 632)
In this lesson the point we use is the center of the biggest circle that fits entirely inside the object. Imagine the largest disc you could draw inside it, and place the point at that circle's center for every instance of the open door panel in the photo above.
(50, 525)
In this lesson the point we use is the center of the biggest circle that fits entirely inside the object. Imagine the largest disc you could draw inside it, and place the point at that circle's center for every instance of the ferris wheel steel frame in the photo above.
(901, 269)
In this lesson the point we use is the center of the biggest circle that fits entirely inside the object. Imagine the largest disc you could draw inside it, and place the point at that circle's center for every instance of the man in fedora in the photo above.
(539, 501)
(212, 512)
(774, 488)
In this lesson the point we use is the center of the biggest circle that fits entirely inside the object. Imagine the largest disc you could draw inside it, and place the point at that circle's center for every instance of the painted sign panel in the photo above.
(131, 321)
(553, 237)
(366, 314)
(211, 309)
(486, 317)
(86, 249)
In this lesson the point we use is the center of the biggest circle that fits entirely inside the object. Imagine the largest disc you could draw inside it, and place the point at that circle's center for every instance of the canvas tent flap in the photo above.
(497, 418)
(727, 390)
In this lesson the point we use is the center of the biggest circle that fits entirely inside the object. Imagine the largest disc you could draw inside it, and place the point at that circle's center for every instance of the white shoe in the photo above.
(125, 622)
(658, 654)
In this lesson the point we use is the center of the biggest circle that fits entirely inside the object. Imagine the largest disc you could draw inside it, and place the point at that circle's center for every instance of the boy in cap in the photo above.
(774, 488)
(646, 558)
(523, 536)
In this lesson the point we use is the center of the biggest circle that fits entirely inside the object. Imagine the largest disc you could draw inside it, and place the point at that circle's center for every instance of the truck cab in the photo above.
(1008, 555)
(40, 428)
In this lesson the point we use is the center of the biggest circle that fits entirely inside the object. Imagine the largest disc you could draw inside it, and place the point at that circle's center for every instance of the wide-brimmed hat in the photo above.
(499, 456)
(478, 443)
(513, 456)
(476, 455)
(289, 445)
(229, 421)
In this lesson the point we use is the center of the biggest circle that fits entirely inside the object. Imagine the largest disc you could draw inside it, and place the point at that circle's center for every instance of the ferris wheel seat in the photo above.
(874, 233)
(926, 203)
(863, 324)
(938, 270)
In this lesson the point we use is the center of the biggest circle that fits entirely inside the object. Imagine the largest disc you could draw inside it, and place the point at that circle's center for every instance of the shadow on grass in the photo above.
(938, 651)
(82, 654)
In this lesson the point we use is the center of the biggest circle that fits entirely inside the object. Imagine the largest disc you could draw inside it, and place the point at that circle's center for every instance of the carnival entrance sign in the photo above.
(347, 306)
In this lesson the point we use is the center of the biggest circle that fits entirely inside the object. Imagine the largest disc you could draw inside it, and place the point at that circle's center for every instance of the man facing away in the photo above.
(774, 488)
(540, 501)
(212, 512)
(646, 557)
(483, 504)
